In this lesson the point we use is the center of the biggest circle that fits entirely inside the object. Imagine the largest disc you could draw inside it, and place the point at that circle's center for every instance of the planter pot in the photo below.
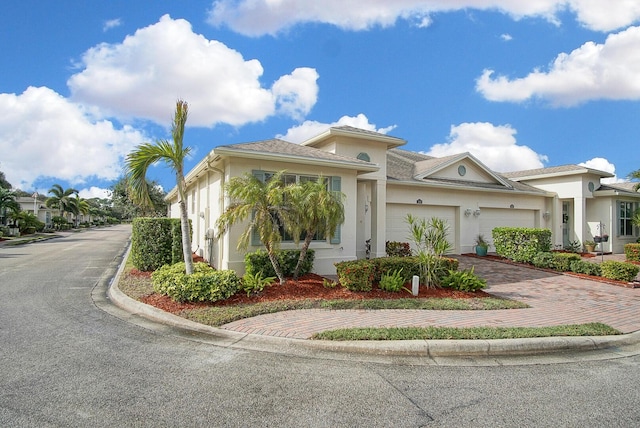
(481, 251)
(605, 238)
(590, 248)
(597, 239)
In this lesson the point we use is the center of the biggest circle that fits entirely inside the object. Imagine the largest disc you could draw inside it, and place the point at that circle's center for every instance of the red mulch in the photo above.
(309, 286)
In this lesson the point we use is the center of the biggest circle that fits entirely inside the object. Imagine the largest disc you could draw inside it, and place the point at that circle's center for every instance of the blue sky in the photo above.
(518, 84)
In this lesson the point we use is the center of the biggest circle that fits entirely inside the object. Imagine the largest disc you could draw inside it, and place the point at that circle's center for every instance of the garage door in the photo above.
(491, 218)
(398, 229)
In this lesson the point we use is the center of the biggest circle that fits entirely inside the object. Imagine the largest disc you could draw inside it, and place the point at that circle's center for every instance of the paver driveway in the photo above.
(555, 299)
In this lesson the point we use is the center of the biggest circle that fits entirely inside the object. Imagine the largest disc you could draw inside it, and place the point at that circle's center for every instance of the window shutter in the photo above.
(336, 185)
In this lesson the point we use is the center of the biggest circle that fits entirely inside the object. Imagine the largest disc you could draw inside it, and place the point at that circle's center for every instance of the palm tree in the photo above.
(635, 174)
(173, 154)
(264, 202)
(62, 199)
(78, 206)
(7, 202)
(313, 210)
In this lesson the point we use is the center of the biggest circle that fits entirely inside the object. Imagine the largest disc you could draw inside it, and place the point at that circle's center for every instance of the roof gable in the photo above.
(459, 168)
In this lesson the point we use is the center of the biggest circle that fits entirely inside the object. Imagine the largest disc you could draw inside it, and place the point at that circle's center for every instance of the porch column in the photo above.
(579, 218)
(378, 218)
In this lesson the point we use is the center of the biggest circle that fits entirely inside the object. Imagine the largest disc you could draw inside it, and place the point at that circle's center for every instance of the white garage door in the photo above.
(493, 217)
(398, 229)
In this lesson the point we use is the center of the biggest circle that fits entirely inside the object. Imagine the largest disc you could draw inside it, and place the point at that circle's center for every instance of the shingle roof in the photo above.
(626, 186)
(555, 170)
(365, 132)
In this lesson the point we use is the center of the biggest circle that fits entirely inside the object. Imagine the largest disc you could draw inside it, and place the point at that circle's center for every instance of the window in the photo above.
(333, 183)
(625, 214)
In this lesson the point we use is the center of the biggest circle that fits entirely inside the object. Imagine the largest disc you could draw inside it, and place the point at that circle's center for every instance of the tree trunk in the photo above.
(303, 254)
(275, 264)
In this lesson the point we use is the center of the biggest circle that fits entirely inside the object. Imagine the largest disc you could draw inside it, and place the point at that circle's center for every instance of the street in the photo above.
(69, 358)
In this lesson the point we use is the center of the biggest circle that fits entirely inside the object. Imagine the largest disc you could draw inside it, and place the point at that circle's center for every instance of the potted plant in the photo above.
(590, 246)
(481, 245)
(597, 239)
(605, 238)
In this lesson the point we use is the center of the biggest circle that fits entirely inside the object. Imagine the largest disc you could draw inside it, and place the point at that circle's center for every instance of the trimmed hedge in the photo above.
(155, 242)
(619, 271)
(258, 261)
(632, 252)
(205, 284)
(356, 275)
(562, 261)
(521, 244)
(398, 249)
(586, 268)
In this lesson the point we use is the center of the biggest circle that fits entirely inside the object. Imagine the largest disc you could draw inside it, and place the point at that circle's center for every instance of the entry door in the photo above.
(566, 224)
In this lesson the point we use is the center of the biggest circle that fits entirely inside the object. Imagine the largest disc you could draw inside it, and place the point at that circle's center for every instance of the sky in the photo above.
(519, 84)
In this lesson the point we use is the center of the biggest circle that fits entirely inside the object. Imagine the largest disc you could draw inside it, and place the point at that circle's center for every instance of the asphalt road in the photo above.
(70, 358)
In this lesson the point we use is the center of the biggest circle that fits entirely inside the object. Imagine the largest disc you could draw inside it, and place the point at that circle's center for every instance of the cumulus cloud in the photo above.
(95, 192)
(593, 71)
(602, 164)
(506, 37)
(309, 128)
(259, 17)
(144, 75)
(42, 134)
(495, 146)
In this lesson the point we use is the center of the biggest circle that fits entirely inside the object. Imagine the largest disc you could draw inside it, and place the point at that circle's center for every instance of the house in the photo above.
(383, 183)
(37, 206)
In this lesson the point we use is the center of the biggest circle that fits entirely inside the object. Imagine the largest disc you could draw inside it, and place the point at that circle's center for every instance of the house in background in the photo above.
(38, 207)
(383, 183)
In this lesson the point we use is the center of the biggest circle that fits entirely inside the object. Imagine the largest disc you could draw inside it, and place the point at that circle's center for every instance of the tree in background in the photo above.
(124, 205)
(62, 199)
(635, 175)
(3, 181)
(8, 204)
(173, 154)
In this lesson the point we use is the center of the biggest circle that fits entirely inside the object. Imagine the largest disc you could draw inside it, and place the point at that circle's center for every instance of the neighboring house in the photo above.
(38, 207)
(382, 184)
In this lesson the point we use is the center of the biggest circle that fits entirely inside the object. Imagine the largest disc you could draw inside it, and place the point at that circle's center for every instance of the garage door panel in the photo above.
(491, 218)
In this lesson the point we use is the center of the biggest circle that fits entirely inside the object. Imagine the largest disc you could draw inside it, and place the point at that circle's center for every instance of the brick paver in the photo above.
(555, 299)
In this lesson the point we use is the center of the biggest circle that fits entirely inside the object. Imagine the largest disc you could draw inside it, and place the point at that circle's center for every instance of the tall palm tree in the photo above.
(635, 174)
(173, 154)
(313, 210)
(61, 199)
(264, 203)
(7, 202)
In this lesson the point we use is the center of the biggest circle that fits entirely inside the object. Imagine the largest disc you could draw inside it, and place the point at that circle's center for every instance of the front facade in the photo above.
(383, 183)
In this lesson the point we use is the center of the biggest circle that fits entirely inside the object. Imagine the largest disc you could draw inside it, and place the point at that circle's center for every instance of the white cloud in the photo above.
(506, 37)
(144, 75)
(310, 128)
(94, 192)
(602, 164)
(593, 71)
(111, 23)
(42, 134)
(495, 146)
(259, 17)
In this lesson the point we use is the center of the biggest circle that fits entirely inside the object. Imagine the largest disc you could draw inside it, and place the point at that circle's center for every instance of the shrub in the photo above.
(562, 261)
(463, 280)
(619, 271)
(632, 252)
(258, 261)
(543, 260)
(155, 242)
(521, 244)
(586, 268)
(574, 246)
(205, 284)
(356, 275)
(410, 266)
(398, 249)
(392, 281)
(255, 283)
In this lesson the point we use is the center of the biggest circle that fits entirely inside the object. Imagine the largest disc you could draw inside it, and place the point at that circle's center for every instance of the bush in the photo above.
(258, 261)
(356, 275)
(586, 268)
(156, 242)
(619, 271)
(543, 260)
(562, 261)
(205, 284)
(521, 244)
(392, 282)
(255, 283)
(398, 249)
(632, 252)
(463, 280)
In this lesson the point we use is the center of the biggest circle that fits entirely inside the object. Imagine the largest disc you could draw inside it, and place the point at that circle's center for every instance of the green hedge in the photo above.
(356, 275)
(632, 252)
(155, 242)
(619, 271)
(205, 284)
(586, 268)
(259, 262)
(562, 261)
(521, 244)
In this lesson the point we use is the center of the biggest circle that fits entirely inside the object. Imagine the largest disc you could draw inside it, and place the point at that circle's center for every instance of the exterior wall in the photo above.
(45, 214)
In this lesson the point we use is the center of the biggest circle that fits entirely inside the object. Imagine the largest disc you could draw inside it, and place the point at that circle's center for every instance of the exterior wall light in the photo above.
(467, 212)
(419, 202)
(476, 213)
(546, 215)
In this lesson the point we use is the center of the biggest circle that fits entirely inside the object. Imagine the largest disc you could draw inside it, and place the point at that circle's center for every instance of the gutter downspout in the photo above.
(221, 204)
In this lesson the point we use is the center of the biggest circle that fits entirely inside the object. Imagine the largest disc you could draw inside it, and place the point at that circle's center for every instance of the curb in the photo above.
(557, 349)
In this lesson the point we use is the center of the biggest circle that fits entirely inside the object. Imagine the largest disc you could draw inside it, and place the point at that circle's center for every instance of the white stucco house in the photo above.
(383, 183)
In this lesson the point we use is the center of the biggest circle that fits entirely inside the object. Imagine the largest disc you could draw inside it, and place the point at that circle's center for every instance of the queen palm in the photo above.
(635, 174)
(313, 210)
(264, 202)
(173, 153)
(7, 203)
(62, 199)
